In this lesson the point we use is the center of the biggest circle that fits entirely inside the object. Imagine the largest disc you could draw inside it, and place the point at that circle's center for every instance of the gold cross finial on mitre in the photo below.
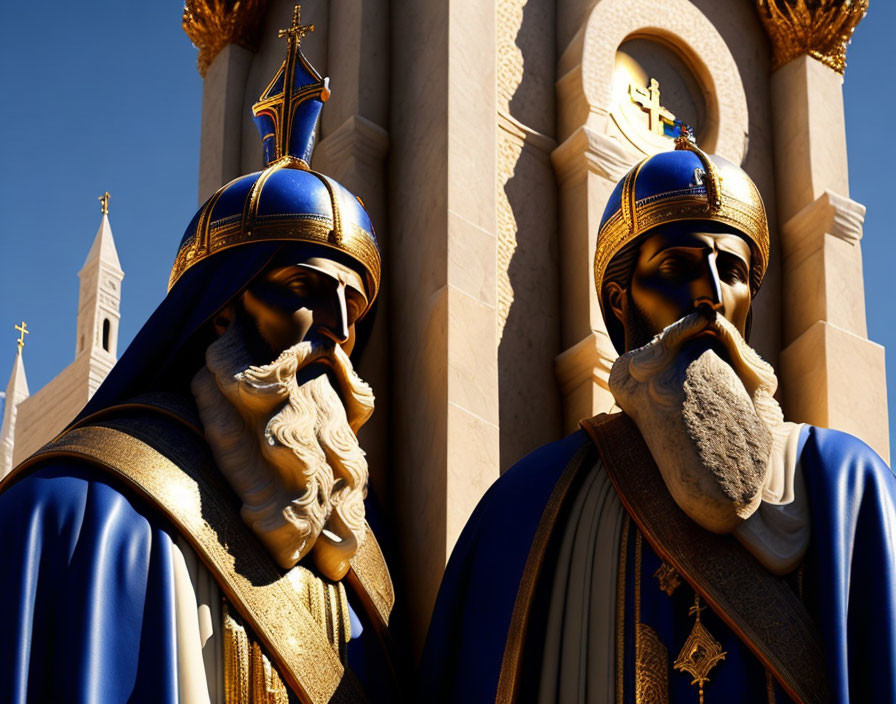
(685, 137)
(23, 330)
(297, 30)
(104, 199)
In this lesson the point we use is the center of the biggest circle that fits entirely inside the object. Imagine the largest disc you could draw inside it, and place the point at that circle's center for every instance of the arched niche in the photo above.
(587, 67)
(655, 93)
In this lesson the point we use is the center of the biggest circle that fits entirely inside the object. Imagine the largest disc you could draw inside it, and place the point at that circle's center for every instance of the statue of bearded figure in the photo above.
(199, 533)
(693, 547)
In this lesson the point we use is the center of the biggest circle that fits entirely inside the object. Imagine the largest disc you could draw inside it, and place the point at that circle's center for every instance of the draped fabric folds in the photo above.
(86, 595)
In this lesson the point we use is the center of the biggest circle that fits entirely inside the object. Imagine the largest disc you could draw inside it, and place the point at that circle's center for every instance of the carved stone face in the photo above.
(303, 295)
(677, 270)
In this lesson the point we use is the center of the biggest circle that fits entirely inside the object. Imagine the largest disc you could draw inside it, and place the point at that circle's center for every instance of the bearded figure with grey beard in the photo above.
(687, 545)
(288, 448)
(704, 403)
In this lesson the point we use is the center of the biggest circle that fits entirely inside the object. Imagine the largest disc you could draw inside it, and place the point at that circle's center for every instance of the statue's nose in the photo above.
(331, 317)
(708, 289)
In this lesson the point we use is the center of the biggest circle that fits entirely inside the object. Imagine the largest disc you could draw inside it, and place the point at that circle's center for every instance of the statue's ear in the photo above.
(616, 300)
(222, 319)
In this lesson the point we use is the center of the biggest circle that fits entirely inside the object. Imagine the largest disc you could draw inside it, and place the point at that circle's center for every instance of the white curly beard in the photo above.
(289, 450)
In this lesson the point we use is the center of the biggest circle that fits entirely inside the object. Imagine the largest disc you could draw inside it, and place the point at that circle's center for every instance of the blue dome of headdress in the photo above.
(677, 186)
(287, 201)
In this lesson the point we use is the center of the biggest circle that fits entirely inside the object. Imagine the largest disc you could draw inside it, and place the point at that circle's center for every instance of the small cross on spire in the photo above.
(104, 199)
(23, 330)
(297, 30)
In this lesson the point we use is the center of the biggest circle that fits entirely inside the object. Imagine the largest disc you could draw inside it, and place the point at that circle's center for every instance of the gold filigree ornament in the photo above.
(700, 653)
(820, 28)
(213, 24)
(668, 578)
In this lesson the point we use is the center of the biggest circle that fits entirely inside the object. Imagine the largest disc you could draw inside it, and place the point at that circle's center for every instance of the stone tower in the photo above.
(99, 299)
(16, 392)
(47, 412)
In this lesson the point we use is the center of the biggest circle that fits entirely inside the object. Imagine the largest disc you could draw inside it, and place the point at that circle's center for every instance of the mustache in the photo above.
(266, 385)
(649, 362)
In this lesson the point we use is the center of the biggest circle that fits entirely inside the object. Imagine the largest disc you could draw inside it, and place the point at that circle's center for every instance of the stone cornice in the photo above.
(829, 214)
(586, 150)
(357, 138)
(590, 359)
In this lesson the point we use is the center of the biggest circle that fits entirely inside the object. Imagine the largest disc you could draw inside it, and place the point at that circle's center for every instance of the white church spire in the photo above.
(16, 392)
(100, 293)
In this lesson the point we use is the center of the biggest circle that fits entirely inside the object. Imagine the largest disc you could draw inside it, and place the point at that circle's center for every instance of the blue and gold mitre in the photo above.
(676, 186)
(287, 201)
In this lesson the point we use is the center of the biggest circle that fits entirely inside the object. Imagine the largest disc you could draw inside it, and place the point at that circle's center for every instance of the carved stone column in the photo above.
(443, 245)
(832, 375)
(226, 33)
(588, 165)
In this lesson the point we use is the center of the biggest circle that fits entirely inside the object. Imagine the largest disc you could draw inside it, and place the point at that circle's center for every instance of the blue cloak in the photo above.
(87, 596)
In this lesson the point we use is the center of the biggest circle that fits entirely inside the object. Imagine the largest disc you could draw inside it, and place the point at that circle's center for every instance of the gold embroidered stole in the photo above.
(759, 608)
(162, 459)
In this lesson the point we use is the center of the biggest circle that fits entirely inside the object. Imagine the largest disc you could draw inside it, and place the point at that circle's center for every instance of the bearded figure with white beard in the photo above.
(200, 533)
(694, 547)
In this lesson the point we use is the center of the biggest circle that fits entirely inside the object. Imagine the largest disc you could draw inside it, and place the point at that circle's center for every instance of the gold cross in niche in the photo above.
(297, 30)
(649, 100)
(23, 330)
(104, 199)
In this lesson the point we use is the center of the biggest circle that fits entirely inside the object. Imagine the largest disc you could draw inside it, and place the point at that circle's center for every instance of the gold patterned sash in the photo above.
(760, 608)
(165, 462)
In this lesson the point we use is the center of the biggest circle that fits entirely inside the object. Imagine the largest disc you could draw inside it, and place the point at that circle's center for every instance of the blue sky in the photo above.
(108, 98)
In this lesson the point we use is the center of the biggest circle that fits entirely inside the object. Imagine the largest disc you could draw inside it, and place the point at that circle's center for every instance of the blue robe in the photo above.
(849, 579)
(87, 596)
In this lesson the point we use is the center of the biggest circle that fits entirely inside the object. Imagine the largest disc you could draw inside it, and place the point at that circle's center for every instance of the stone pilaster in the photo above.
(831, 374)
(223, 98)
(588, 166)
(443, 262)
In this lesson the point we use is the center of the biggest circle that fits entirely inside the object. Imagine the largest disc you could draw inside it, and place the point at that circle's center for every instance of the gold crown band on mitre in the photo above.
(250, 227)
(717, 204)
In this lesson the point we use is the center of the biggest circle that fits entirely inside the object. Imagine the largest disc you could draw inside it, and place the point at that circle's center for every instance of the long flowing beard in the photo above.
(708, 421)
(289, 449)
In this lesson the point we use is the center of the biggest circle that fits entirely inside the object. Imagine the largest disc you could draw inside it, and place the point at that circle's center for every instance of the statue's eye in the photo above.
(299, 285)
(354, 305)
(733, 270)
(673, 266)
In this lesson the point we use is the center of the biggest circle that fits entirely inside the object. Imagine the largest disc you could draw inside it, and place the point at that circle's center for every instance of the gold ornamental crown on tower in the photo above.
(819, 28)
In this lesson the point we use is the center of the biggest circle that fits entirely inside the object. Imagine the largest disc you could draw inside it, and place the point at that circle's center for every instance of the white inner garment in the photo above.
(200, 649)
(777, 534)
(579, 661)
